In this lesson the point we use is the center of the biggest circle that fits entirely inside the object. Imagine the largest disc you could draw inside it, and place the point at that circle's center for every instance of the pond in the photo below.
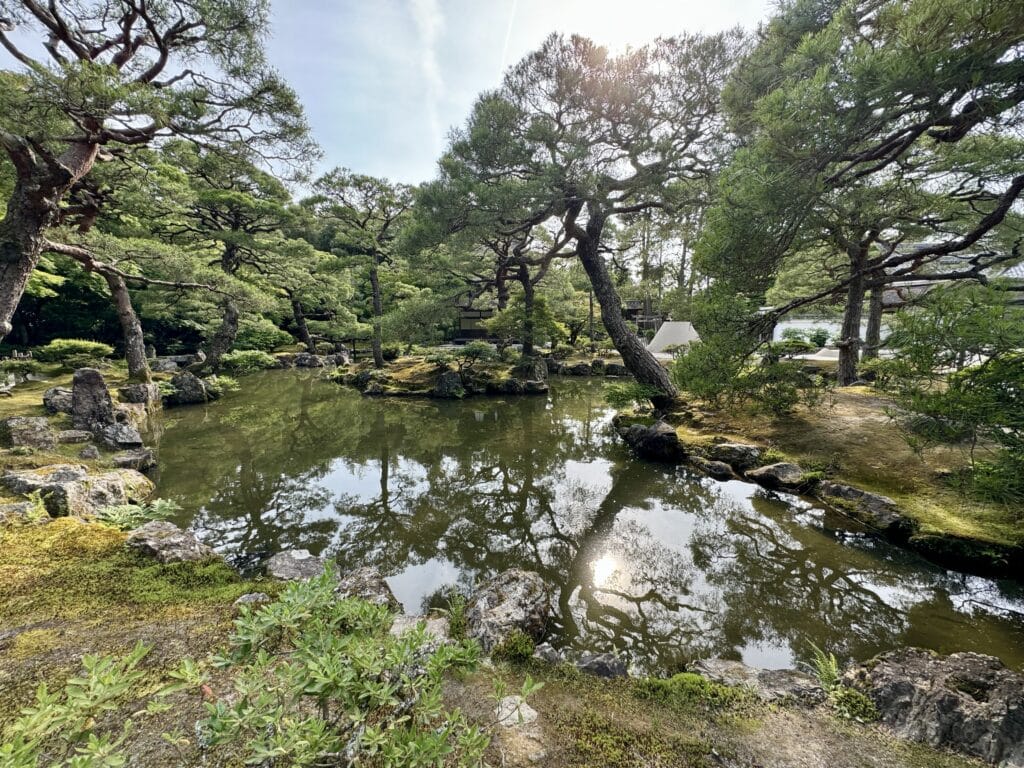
(656, 563)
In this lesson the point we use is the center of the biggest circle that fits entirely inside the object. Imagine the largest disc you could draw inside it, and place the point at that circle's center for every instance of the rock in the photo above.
(284, 360)
(69, 489)
(135, 414)
(251, 600)
(872, 509)
(615, 369)
(768, 684)
(338, 359)
(781, 476)
(168, 543)
(579, 369)
(139, 393)
(140, 459)
(547, 652)
(294, 565)
(57, 400)
(514, 599)
(554, 367)
(119, 436)
(449, 385)
(367, 584)
(306, 360)
(535, 387)
(513, 711)
(373, 389)
(436, 627)
(150, 352)
(739, 456)
(89, 452)
(31, 431)
(74, 436)
(91, 406)
(597, 367)
(606, 665)
(531, 369)
(505, 387)
(163, 365)
(966, 701)
(16, 512)
(189, 389)
(658, 442)
(719, 470)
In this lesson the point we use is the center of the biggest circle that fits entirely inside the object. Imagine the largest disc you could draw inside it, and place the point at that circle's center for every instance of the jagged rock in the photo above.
(615, 369)
(16, 512)
(449, 385)
(294, 565)
(514, 599)
(547, 652)
(31, 431)
(535, 387)
(436, 627)
(57, 400)
(119, 436)
(284, 360)
(167, 543)
(306, 360)
(579, 369)
(554, 367)
(602, 665)
(739, 456)
(872, 509)
(89, 452)
(768, 684)
(140, 459)
(251, 600)
(658, 442)
(91, 406)
(513, 711)
(135, 414)
(506, 387)
(69, 489)
(719, 470)
(531, 369)
(163, 365)
(189, 389)
(74, 436)
(367, 584)
(337, 359)
(139, 393)
(781, 476)
(966, 701)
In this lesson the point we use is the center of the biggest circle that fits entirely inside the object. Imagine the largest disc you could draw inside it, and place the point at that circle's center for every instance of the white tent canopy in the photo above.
(672, 333)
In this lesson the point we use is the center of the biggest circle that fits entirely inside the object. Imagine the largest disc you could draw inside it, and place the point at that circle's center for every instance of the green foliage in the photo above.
(562, 351)
(70, 352)
(315, 676)
(221, 384)
(391, 352)
(129, 516)
(22, 367)
(851, 704)
(688, 692)
(440, 359)
(825, 667)
(247, 361)
(629, 394)
(261, 334)
(468, 355)
(818, 337)
(456, 613)
(70, 728)
(516, 648)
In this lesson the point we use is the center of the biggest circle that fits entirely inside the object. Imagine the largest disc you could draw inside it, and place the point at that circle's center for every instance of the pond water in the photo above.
(656, 563)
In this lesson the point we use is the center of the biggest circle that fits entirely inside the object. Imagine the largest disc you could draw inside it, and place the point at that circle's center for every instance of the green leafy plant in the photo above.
(825, 667)
(129, 516)
(72, 351)
(469, 355)
(219, 385)
(851, 704)
(516, 648)
(629, 394)
(391, 352)
(38, 513)
(20, 366)
(456, 613)
(261, 334)
(440, 359)
(247, 361)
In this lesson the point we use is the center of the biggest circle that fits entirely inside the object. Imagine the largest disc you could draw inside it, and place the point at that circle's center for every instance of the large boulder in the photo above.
(615, 369)
(606, 665)
(553, 366)
(510, 386)
(69, 489)
(657, 442)
(57, 400)
(767, 684)
(74, 436)
(739, 456)
(141, 459)
(119, 436)
(871, 509)
(718, 470)
(91, 405)
(449, 386)
(306, 360)
(512, 600)
(294, 565)
(139, 393)
(965, 701)
(189, 389)
(31, 431)
(168, 543)
(781, 476)
(579, 369)
(163, 365)
(531, 369)
(367, 584)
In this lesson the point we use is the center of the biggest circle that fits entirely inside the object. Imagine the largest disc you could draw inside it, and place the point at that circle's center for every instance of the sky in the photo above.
(383, 81)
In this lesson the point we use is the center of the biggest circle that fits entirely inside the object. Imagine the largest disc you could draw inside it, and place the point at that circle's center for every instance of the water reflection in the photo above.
(657, 564)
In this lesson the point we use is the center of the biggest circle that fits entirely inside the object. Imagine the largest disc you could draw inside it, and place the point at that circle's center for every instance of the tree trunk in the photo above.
(40, 183)
(873, 336)
(301, 328)
(378, 311)
(501, 287)
(528, 297)
(224, 339)
(641, 363)
(849, 335)
(131, 328)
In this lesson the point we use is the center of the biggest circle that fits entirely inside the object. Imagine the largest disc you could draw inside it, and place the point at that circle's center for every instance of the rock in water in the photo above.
(189, 389)
(139, 393)
(57, 400)
(449, 385)
(719, 470)
(91, 406)
(782, 476)
(31, 431)
(69, 489)
(168, 543)
(658, 442)
(739, 456)
(872, 509)
(966, 701)
(367, 584)
(294, 565)
(512, 600)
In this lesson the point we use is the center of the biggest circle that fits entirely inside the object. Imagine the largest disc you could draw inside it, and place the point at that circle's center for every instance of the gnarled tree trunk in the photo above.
(849, 335)
(528, 301)
(224, 339)
(301, 328)
(131, 329)
(378, 312)
(873, 335)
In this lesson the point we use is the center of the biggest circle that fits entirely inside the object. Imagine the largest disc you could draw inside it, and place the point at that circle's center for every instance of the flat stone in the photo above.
(513, 712)
(69, 489)
(118, 436)
(163, 365)
(74, 436)
(436, 627)
(168, 543)
(251, 600)
(294, 565)
(739, 456)
(367, 584)
(140, 459)
(872, 509)
(781, 476)
(718, 470)
(27, 431)
(89, 452)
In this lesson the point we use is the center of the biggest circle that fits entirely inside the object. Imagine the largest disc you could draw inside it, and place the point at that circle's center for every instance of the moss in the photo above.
(33, 642)
(691, 693)
(516, 648)
(598, 740)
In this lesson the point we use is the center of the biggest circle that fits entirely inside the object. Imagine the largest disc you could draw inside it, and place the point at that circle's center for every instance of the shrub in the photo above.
(22, 367)
(391, 352)
(516, 648)
(70, 352)
(474, 352)
(440, 360)
(621, 396)
(688, 691)
(562, 351)
(851, 704)
(456, 613)
(247, 361)
(260, 333)
(818, 337)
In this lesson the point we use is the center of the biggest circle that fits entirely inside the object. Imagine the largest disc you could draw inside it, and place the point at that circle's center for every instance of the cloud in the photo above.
(429, 21)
